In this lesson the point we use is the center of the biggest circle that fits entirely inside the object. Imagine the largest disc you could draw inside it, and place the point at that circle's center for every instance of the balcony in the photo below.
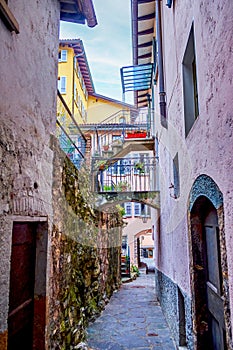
(126, 179)
(118, 175)
(121, 133)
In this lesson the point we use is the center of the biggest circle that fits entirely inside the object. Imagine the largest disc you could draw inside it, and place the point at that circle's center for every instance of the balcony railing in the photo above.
(138, 125)
(132, 174)
(69, 134)
(124, 125)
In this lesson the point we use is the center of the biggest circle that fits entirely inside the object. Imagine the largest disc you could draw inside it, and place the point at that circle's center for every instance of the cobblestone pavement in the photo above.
(132, 320)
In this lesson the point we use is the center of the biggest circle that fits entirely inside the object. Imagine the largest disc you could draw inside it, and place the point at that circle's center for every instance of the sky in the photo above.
(108, 46)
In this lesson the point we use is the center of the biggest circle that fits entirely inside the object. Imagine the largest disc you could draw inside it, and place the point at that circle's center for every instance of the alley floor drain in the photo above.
(137, 287)
(152, 335)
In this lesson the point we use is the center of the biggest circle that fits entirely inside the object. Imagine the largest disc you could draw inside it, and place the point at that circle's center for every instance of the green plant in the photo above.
(122, 186)
(140, 167)
(107, 188)
(120, 209)
(135, 269)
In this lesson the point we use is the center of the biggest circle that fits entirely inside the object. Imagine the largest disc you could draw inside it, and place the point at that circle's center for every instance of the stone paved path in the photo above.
(132, 320)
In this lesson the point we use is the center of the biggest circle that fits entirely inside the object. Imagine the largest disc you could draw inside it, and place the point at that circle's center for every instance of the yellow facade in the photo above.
(71, 85)
(101, 108)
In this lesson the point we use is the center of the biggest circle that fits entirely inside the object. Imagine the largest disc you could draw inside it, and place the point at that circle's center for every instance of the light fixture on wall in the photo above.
(144, 215)
(144, 219)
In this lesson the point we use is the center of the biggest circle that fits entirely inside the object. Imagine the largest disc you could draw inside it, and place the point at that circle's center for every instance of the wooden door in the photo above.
(22, 278)
(216, 324)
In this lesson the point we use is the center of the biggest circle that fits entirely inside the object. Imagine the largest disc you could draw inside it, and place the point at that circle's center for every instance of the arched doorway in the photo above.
(211, 319)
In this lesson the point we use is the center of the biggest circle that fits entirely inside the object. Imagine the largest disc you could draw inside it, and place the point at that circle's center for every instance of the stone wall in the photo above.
(167, 292)
(27, 113)
(85, 255)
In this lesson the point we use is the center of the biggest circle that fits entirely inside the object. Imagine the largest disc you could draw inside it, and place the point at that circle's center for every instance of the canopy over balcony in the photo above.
(136, 78)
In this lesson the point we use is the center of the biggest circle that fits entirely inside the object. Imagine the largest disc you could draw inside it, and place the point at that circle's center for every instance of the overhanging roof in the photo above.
(79, 51)
(136, 78)
(143, 32)
(78, 11)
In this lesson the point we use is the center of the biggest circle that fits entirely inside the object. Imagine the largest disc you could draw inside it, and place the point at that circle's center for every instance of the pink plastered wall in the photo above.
(208, 147)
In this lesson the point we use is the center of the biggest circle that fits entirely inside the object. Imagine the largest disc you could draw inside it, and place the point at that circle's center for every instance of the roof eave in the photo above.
(78, 11)
(79, 51)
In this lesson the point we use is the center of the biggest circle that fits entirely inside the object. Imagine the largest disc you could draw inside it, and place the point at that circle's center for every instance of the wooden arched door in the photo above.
(207, 277)
(214, 290)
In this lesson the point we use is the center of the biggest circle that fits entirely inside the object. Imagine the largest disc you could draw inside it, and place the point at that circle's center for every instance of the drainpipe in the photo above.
(134, 13)
(162, 93)
(73, 85)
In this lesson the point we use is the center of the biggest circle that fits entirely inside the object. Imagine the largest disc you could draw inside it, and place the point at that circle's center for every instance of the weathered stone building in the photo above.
(192, 98)
(50, 270)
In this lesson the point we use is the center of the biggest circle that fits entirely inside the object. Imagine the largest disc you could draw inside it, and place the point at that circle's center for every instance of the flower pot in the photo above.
(105, 147)
(136, 135)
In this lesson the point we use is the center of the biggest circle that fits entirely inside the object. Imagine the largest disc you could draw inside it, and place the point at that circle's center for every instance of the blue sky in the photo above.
(108, 46)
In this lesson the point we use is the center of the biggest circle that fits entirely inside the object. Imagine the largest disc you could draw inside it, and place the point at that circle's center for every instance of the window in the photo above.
(146, 252)
(190, 91)
(62, 85)
(176, 176)
(128, 209)
(75, 92)
(137, 209)
(8, 17)
(62, 56)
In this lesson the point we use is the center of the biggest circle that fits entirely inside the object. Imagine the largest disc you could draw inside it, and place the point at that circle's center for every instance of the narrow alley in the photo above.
(132, 320)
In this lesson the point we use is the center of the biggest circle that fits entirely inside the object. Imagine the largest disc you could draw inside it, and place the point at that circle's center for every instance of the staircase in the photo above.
(125, 267)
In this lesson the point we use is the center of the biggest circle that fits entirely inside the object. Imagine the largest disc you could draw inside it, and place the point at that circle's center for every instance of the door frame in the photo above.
(40, 288)
(205, 191)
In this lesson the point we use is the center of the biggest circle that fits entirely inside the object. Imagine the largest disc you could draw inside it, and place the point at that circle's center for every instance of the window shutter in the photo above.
(137, 209)
(128, 209)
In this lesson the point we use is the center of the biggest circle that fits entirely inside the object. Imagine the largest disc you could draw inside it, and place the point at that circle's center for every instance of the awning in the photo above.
(136, 78)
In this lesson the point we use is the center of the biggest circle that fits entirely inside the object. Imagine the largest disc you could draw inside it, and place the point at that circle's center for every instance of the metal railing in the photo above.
(124, 124)
(71, 138)
(132, 174)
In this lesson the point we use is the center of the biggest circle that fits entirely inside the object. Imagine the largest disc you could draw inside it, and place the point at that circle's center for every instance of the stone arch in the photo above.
(206, 197)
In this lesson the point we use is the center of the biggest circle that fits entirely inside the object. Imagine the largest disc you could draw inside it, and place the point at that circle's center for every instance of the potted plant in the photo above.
(101, 165)
(122, 186)
(136, 134)
(117, 145)
(106, 147)
(107, 188)
(140, 167)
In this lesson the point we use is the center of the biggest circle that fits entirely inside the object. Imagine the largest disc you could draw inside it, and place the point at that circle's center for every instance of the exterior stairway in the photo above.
(125, 267)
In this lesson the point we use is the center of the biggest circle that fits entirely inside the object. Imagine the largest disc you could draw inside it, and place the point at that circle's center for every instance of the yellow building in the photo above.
(74, 79)
(102, 108)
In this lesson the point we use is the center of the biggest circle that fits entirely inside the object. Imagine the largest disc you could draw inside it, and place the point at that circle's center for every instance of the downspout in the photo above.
(73, 85)
(134, 15)
(162, 93)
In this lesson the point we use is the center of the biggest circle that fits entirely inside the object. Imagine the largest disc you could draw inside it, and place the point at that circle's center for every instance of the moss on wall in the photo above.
(85, 255)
